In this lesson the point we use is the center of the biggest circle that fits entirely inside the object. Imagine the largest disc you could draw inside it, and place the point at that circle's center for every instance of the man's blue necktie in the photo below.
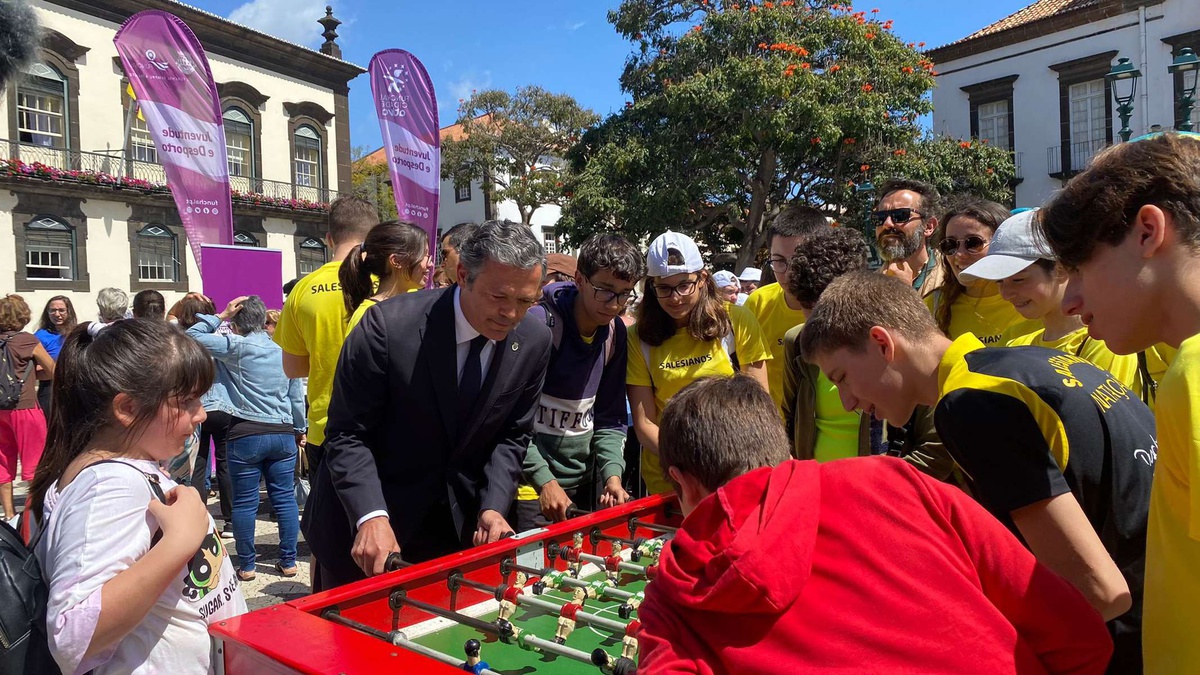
(472, 377)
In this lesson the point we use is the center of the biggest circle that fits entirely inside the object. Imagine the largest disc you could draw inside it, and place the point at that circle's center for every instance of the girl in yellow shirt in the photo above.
(963, 237)
(684, 331)
(397, 254)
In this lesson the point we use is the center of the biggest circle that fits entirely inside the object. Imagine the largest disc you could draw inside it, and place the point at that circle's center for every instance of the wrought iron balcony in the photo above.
(1064, 161)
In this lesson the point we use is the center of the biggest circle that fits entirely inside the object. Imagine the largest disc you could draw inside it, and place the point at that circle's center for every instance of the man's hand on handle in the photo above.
(554, 501)
(492, 527)
(374, 541)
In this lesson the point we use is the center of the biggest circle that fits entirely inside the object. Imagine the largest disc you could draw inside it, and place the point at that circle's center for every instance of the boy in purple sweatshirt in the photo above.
(577, 452)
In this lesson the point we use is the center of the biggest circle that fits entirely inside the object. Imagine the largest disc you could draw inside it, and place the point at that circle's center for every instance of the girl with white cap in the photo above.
(1034, 283)
(685, 331)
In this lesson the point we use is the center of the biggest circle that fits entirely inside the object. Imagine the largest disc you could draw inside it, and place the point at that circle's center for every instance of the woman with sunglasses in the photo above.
(685, 331)
(1031, 279)
(58, 319)
(974, 306)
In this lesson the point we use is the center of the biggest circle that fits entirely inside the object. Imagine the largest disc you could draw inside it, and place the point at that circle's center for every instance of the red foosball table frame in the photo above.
(294, 637)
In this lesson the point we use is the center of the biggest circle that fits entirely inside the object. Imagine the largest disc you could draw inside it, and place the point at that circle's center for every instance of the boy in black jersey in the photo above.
(1057, 449)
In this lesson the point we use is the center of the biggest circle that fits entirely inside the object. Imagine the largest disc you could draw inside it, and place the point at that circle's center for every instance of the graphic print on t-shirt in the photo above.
(204, 569)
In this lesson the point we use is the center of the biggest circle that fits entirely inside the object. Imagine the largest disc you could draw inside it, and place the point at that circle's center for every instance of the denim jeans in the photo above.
(273, 457)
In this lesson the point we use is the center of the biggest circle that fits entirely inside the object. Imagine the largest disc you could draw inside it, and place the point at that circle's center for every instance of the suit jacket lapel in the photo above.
(438, 336)
(504, 358)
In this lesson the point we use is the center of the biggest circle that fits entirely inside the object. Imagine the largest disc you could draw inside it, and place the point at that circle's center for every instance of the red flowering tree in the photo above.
(514, 144)
(739, 108)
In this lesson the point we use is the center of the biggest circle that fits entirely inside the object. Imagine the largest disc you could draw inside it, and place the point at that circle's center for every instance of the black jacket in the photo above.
(394, 440)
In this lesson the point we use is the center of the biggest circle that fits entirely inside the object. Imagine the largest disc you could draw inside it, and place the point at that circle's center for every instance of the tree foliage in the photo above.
(513, 144)
(369, 180)
(741, 108)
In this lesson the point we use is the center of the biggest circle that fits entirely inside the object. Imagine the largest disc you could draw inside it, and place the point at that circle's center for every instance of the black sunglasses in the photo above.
(898, 216)
(973, 244)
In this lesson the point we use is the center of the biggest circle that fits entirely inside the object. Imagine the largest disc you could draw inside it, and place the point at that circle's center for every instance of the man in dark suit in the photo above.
(432, 412)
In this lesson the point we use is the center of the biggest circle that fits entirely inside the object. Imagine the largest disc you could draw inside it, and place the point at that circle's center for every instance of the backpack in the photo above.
(24, 642)
(554, 321)
(11, 384)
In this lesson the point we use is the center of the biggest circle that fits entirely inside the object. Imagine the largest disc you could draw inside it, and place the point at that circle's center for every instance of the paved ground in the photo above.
(268, 587)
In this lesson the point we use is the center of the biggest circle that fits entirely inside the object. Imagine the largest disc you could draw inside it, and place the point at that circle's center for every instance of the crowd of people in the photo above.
(975, 459)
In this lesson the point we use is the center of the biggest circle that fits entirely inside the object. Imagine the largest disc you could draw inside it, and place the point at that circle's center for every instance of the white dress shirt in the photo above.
(464, 332)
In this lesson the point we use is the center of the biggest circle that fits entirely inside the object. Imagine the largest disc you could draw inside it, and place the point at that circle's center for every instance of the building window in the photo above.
(549, 241)
(49, 249)
(462, 193)
(310, 257)
(141, 144)
(1088, 105)
(157, 254)
(993, 123)
(41, 107)
(308, 157)
(241, 238)
(239, 143)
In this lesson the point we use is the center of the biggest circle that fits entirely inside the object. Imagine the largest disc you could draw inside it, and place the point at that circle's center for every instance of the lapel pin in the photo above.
(516, 346)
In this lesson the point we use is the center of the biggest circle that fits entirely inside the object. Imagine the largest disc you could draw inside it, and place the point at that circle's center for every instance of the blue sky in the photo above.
(565, 46)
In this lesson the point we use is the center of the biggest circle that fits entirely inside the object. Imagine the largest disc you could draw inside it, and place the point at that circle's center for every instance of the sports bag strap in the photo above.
(1149, 386)
(151, 479)
(24, 526)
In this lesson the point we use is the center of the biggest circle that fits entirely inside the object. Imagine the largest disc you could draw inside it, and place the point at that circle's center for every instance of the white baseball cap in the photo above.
(660, 250)
(725, 278)
(1016, 245)
(751, 274)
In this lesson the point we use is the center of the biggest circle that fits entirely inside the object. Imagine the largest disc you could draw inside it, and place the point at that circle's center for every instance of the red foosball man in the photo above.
(572, 553)
(629, 643)
(508, 601)
(612, 564)
(566, 616)
(651, 571)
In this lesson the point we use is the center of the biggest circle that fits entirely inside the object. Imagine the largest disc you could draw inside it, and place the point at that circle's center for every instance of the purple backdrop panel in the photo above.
(231, 271)
(408, 119)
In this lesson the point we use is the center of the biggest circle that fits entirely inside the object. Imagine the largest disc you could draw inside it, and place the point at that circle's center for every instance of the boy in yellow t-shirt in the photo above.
(775, 308)
(684, 332)
(1129, 229)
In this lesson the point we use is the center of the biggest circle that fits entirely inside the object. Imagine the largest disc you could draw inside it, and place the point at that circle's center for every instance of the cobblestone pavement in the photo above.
(268, 587)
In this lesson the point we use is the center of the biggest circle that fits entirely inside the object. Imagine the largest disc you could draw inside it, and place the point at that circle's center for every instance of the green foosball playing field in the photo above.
(601, 622)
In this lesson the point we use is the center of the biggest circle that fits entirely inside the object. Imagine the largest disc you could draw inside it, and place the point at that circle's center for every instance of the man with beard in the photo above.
(904, 220)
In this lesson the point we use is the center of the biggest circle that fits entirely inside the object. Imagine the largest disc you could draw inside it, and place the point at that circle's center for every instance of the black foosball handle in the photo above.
(394, 562)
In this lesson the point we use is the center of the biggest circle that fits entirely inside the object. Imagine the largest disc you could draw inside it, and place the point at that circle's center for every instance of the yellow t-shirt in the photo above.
(682, 360)
(313, 324)
(776, 319)
(1171, 615)
(358, 314)
(990, 318)
(837, 429)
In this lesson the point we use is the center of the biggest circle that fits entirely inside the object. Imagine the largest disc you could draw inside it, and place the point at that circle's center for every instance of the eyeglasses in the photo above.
(605, 296)
(57, 311)
(684, 289)
(898, 216)
(973, 244)
(779, 264)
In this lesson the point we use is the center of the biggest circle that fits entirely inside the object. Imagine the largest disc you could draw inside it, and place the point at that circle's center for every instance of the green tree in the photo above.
(371, 181)
(514, 144)
(739, 109)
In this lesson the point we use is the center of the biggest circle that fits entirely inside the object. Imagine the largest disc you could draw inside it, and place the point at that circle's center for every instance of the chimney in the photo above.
(330, 24)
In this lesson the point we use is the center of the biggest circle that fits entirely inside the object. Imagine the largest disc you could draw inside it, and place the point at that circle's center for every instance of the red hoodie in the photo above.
(858, 565)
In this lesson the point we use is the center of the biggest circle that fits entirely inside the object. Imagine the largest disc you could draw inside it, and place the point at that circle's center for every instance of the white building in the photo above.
(72, 231)
(1034, 82)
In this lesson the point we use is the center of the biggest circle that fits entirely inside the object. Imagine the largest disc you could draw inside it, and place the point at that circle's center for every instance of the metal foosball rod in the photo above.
(634, 545)
(398, 639)
(561, 578)
(635, 523)
(512, 635)
(533, 601)
(623, 566)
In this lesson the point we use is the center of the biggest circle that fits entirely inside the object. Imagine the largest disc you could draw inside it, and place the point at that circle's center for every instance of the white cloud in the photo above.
(575, 26)
(292, 20)
(450, 92)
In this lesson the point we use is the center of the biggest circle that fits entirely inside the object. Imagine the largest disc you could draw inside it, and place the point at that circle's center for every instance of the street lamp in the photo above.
(1123, 79)
(1186, 64)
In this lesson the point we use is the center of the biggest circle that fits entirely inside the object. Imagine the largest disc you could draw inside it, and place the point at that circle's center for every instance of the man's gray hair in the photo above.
(502, 241)
(252, 318)
(113, 303)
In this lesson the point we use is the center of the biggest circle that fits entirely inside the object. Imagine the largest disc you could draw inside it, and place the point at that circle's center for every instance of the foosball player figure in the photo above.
(629, 643)
(474, 664)
(571, 554)
(508, 599)
(626, 610)
(566, 616)
(612, 564)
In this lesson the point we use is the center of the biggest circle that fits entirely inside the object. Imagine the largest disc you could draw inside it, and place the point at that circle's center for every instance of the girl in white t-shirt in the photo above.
(135, 568)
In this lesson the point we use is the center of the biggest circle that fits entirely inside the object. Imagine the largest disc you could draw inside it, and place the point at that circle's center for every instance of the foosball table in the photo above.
(563, 600)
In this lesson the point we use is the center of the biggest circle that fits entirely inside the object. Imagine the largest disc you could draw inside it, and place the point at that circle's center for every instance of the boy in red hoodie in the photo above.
(856, 565)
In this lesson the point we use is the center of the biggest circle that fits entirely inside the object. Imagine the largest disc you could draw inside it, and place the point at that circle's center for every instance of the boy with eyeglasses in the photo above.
(905, 218)
(1128, 229)
(1057, 449)
(577, 452)
(775, 308)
